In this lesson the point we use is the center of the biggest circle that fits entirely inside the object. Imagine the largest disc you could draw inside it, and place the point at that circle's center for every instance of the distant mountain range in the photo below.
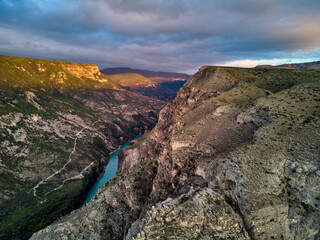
(160, 85)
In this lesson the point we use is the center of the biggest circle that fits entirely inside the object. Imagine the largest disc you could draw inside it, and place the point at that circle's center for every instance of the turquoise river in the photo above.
(110, 171)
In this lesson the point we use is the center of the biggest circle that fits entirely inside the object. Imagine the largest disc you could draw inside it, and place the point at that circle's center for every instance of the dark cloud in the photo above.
(161, 34)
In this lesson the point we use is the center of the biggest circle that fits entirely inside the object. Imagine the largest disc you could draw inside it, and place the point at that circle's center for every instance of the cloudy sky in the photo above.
(171, 35)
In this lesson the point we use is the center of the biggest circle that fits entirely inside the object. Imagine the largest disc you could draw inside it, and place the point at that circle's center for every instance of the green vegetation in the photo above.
(24, 214)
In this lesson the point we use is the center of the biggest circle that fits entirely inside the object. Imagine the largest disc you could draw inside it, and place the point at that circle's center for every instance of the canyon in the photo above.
(58, 123)
(234, 156)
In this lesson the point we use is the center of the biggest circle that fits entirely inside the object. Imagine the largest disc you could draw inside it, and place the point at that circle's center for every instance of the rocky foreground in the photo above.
(234, 156)
(58, 123)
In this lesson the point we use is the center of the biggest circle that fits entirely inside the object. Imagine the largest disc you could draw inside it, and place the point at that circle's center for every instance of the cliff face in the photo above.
(17, 73)
(234, 156)
(58, 123)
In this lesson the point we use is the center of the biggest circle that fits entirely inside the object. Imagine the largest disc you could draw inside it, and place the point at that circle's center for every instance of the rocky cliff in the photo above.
(234, 156)
(58, 123)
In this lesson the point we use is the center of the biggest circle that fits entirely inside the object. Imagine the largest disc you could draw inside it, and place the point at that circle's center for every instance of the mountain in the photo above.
(234, 156)
(159, 85)
(58, 123)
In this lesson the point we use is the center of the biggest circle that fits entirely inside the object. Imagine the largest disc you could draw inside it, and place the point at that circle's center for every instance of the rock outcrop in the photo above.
(234, 156)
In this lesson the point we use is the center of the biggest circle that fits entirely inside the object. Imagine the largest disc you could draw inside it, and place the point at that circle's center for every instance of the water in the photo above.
(110, 171)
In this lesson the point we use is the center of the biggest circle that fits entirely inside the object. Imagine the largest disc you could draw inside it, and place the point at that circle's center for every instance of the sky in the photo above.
(162, 35)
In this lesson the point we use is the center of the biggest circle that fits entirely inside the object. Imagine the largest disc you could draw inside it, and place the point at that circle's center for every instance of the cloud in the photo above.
(161, 34)
(247, 63)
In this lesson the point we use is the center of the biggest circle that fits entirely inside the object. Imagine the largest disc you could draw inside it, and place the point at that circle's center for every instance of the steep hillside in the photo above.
(159, 85)
(58, 123)
(234, 156)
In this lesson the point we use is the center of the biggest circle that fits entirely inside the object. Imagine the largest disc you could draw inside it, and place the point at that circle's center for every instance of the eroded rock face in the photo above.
(234, 156)
(198, 214)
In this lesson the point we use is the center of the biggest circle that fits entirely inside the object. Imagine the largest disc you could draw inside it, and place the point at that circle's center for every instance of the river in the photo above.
(110, 171)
